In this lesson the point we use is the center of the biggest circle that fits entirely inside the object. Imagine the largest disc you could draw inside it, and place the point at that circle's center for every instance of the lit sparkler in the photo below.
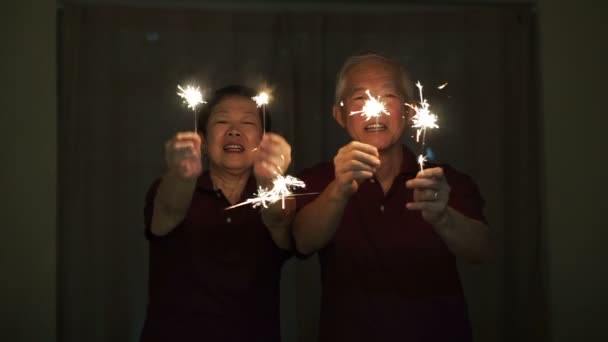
(282, 187)
(423, 119)
(192, 97)
(262, 99)
(372, 108)
(421, 160)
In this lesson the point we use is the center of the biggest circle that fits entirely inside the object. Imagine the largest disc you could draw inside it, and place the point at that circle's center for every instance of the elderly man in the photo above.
(387, 235)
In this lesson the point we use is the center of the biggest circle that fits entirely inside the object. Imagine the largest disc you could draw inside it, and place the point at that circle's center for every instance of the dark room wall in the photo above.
(29, 158)
(574, 55)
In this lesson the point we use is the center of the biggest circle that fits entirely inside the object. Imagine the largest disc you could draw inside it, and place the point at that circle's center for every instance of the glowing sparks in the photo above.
(192, 96)
(421, 161)
(424, 118)
(282, 187)
(442, 86)
(261, 99)
(372, 108)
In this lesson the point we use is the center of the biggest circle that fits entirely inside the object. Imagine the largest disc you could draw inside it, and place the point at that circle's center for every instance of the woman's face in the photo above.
(234, 129)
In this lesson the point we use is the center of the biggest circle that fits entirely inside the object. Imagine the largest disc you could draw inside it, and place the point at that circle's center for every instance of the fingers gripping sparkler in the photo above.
(192, 97)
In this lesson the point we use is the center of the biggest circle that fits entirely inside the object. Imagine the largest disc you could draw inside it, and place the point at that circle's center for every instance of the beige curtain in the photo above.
(119, 72)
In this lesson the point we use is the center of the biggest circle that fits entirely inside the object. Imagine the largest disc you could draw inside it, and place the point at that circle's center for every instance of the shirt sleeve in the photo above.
(464, 195)
(316, 179)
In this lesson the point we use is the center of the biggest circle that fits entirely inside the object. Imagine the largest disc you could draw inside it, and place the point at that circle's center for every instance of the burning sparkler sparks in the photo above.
(442, 86)
(421, 161)
(192, 97)
(262, 99)
(282, 187)
(423, 119)
(372, 108)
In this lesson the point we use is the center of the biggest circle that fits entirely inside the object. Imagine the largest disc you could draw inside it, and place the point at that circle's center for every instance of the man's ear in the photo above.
(339, 116)
(409, 113)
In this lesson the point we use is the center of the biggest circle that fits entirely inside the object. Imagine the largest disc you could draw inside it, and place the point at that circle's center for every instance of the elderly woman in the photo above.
(214, 273)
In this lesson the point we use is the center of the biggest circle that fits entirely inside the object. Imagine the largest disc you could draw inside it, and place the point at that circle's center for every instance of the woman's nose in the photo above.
(233, 133)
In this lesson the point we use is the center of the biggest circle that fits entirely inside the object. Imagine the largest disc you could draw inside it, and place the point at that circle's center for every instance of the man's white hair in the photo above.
(405, 84)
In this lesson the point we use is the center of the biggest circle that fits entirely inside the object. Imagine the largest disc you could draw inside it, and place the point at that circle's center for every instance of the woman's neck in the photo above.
(231, 183)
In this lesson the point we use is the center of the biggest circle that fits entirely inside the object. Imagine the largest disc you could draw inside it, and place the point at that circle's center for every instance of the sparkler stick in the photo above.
(192, 97)
(423, 119)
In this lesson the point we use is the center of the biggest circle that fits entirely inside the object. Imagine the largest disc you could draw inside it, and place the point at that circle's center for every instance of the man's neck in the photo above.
(390, 166)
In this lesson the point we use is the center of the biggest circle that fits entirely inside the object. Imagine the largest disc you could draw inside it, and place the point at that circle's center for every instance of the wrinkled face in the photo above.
(234, 129)
(381, 79)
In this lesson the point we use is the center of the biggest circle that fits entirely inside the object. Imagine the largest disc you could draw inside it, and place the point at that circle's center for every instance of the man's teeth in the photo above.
(375, 127)
(233, 147)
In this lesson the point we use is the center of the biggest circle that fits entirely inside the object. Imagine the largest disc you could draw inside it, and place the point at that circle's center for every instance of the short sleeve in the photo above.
(464, 195)
(149, 208)
(316, 179)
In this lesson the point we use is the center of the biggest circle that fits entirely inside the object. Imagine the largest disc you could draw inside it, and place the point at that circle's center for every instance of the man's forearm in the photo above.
(465, 237)
(316, 224)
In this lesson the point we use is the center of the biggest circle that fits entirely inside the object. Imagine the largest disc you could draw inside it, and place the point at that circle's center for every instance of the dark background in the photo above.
(55, 288)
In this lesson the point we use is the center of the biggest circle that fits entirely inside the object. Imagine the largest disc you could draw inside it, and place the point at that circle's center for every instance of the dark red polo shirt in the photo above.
(386, 275)
(216, 276)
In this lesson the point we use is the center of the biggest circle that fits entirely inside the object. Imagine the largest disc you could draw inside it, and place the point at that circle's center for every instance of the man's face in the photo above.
(233, 131)
(381, 79)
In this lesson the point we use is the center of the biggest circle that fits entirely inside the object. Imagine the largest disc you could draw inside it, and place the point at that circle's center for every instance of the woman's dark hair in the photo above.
(219, 95)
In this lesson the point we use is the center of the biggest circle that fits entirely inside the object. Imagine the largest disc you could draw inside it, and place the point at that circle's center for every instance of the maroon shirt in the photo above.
(215, 277)
(386, 275)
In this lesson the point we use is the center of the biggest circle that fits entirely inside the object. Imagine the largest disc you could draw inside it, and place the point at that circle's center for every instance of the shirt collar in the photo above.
(409, 163)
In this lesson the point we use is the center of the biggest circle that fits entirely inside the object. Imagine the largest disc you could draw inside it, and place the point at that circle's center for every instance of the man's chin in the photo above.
(381, 143)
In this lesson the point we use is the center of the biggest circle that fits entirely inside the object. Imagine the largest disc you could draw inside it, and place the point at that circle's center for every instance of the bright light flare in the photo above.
(423, 118)
(421, 161)
(372, 108)
(192, 96)
(261, 99)
(282, 187)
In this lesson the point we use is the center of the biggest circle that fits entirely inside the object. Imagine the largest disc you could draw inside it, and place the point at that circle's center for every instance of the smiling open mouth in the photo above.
(233, 148)
(376, 127)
